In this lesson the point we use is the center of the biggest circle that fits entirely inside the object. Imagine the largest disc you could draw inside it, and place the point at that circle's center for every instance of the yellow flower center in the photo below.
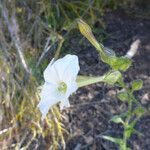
(62, 87)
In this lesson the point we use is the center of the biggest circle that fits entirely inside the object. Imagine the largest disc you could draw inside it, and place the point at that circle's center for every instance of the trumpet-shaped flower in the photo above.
(60, 82)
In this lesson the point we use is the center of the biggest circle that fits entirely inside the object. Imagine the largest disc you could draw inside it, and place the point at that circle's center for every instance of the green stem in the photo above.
(123, 85)
(124, 141)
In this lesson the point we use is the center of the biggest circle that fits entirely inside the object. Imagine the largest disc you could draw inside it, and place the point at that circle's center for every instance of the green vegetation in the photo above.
(31, 33)
(118, 64)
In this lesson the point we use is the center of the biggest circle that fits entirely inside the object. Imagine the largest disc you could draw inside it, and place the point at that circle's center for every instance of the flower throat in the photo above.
(62, 87)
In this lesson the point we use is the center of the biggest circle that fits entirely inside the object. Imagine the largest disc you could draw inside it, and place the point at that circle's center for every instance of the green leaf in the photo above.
(128, 131)
(137, 85)
(112, 139)
(131, 126)
(138, 133)
(117, 119)
(112, 77)
(121, 63)
(139, 111)
(116, 63)
(123, 96)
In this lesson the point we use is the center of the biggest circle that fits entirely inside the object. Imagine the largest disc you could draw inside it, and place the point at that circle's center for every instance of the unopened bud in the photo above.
(87, 32)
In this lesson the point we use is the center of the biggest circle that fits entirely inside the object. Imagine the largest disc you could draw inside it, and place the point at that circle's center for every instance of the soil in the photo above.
(94, 105)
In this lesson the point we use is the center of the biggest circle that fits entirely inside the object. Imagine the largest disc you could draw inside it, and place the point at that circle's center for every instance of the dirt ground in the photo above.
(94, 105)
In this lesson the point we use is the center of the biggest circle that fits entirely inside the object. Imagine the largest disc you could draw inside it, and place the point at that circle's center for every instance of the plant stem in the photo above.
(124, 142)
(125, 138)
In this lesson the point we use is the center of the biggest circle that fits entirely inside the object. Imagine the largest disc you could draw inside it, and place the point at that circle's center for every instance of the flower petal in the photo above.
(71, 88)
(63, 70)
(67, 67)
(64, 103)
(49, 97)
(50, 73)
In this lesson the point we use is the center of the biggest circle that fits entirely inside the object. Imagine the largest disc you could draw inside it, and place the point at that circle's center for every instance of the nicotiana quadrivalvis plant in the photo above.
(118, 65)
(62, 79)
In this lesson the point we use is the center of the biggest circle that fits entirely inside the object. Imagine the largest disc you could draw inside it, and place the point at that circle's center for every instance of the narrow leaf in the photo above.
(112, 139)
(139, 111)
(117, 119)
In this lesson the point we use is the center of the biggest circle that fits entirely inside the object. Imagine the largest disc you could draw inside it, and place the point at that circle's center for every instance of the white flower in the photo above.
(60, 82)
